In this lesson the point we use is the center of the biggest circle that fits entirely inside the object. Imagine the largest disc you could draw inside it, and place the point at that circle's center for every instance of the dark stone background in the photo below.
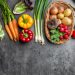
(34, 59)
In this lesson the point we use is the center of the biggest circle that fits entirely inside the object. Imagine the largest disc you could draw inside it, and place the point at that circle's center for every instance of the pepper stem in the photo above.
(25, 35)
(25, 20)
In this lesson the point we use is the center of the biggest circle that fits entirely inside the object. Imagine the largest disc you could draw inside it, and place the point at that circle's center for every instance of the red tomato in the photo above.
(61, 30)
(66, 36)
(61, 37)
(73, 34)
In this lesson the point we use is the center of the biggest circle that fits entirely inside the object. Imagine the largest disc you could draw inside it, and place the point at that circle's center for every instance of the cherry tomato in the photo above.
(65, 27)
(66, 31)
(61, 30)
(61, 25)
(66, 36)
(61, 37)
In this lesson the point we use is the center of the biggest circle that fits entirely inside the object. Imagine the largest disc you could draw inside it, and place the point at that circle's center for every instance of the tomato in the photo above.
(73, 34)
(61, 37)
(61, 30)
(66, 36)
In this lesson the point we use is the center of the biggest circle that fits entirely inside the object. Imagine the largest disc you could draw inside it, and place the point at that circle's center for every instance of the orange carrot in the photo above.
(12, 30)
(8, 32)
(16, 28)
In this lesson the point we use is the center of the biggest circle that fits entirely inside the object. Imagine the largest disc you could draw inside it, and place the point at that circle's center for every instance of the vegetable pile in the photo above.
(39, 10)
(62, 14)
(60, 33)
(59, 23)
(9, 20)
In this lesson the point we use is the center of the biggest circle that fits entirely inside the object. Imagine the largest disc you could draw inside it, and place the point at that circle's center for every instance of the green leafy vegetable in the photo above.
(55, 34)
(19, 8)
(9, 20)
(6, 12)
(1, 32)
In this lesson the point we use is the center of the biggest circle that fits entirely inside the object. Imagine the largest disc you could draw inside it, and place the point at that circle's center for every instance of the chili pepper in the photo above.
(26, 35)
(25, 21)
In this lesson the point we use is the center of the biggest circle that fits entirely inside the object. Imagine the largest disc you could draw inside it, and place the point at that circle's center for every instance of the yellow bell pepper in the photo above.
(25, 21)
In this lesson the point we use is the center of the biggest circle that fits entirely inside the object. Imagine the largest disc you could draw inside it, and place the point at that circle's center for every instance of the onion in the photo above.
(67, 21)
(52, 17)
(54, 10)
(61, 9)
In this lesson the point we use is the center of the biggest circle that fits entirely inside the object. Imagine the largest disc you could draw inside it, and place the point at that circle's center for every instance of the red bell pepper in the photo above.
(26, 35)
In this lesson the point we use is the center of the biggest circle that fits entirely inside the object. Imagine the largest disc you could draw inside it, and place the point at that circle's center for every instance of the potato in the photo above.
(67, 21)
(67, 12)
(60, 16)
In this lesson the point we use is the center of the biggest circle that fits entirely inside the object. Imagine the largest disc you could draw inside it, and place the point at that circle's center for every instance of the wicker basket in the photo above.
(65, 5)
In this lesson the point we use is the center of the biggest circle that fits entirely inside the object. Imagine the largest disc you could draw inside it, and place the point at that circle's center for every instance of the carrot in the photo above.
(9, 32)
(12, 30)
(7, 26)
(8, 20)
(16, 28)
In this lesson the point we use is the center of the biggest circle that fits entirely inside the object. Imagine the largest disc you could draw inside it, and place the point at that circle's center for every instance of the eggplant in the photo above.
(28, 3)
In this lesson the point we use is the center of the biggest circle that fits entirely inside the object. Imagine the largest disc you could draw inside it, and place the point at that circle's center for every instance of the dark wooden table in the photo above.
(35, 59)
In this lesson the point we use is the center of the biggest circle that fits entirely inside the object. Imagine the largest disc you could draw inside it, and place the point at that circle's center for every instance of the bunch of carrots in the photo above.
(10, 21)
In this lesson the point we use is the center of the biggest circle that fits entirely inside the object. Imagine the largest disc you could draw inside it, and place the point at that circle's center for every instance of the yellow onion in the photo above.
(54, 10)
(52, 17)
(67, 21)
(60, 9)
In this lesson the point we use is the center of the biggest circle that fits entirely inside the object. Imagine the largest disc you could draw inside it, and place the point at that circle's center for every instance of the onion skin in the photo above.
(53, 17)
(60, 9)
(54, 10)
